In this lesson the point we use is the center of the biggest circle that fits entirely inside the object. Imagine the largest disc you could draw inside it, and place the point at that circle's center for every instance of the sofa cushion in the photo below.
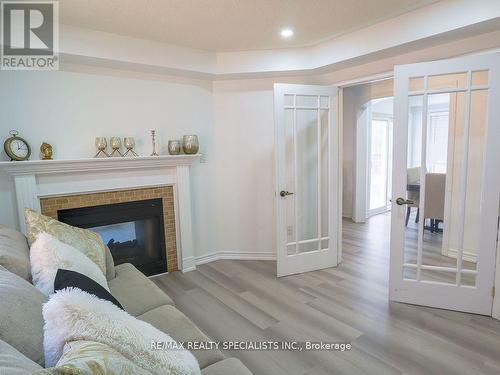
(178, 326)
(14, 252)
(84, 240)
(21, 321)
(12, 362)
(136, 293)
(230, 366)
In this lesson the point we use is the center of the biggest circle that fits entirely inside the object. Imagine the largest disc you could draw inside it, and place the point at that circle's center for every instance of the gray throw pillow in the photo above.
(14, 252)
(21, 320)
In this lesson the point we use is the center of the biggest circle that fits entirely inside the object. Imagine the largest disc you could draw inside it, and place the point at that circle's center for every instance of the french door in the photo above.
(446, 164)
(307, 175)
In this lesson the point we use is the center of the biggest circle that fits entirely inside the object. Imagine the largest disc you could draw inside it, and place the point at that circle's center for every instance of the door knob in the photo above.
(400, 201)
(284, 193)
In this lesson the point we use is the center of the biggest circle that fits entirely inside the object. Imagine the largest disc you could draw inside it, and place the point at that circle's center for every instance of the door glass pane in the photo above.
(324, 173)
(308, 246)
(307, 175)
(409, 273)
(416, 84)
(449, 190)
(438, 276)
(434, 187)
(447, 81)
(414, 152)
(324, 101)
(289, 202)
(480, 78)
(468, 280)
(306, 101)
(288, 100)
(475, 165)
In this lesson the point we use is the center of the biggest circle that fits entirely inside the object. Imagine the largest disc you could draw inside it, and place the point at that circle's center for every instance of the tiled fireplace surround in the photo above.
(50, 206)
(50, 185)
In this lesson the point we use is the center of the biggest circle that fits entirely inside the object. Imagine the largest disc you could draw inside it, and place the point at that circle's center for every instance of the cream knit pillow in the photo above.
(84, 240)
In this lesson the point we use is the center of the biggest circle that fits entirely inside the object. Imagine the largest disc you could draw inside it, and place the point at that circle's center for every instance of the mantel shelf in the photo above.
(35, 167)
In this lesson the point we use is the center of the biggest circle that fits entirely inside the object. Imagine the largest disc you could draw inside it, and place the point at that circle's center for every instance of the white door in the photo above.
(307, 177)
(446, 171)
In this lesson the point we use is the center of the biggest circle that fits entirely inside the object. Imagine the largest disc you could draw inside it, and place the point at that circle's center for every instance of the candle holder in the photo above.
(153, 138)
(101, 144)
(116, 143)
(190, 144)
(129, 144)
(174, 147)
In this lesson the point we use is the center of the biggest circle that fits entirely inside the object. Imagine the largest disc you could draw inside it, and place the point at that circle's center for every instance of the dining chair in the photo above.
(412, 178)
(435, 190)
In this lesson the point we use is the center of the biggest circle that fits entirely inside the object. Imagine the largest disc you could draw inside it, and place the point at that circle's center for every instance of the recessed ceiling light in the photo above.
(286, 33)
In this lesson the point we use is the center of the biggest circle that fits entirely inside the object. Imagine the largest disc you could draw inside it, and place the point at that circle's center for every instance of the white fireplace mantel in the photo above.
(36, 179)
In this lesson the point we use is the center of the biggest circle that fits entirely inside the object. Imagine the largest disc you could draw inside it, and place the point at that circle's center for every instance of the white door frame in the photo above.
(318, 259)
(479, 299)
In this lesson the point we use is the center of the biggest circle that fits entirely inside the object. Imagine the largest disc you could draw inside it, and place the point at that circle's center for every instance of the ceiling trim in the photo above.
(445, 21)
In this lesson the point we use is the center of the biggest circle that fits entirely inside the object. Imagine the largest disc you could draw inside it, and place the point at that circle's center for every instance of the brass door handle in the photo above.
(400, 201)
(284, 193)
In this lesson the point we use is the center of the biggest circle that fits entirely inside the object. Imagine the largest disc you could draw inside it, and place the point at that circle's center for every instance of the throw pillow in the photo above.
(21, 322)
(48, 254)
(87, 357)
(84, 240)
(14, 252)
(72, 314)
(71, 279)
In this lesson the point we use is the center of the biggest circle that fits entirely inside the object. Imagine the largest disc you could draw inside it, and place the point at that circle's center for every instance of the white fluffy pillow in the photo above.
(73, 315)
(47, 254)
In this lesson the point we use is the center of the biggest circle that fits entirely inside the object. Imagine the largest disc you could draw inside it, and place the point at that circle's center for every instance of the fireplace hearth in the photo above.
(133, 231)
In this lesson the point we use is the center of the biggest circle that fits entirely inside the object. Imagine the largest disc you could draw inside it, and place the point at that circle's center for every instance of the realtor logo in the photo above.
(29, 35)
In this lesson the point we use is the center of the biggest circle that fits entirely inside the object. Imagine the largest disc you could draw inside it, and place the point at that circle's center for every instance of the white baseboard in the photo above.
(188, 264)
(469, 257)
(235, 255)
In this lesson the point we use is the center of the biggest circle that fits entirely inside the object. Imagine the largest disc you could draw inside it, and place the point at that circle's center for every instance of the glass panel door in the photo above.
(304, 131)
(443, 229)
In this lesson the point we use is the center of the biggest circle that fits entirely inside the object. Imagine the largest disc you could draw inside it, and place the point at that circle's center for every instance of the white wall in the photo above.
(69, 109)
(245, 167)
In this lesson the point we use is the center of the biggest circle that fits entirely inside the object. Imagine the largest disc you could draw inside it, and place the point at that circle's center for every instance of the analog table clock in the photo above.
(16, 148)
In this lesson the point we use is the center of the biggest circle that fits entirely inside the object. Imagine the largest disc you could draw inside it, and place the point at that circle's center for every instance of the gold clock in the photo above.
(16, 147)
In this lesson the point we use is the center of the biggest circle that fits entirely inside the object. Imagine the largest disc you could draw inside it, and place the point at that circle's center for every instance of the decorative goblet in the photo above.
(129, 144)
(116, 143)
(101, 144)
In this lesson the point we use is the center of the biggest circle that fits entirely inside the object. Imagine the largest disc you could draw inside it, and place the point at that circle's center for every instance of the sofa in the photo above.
(21, 321)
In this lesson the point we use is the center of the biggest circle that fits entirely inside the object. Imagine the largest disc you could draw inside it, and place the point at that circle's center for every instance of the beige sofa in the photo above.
(21, 322)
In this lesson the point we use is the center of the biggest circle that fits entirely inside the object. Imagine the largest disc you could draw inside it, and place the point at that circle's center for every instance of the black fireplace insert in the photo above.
(133, 231)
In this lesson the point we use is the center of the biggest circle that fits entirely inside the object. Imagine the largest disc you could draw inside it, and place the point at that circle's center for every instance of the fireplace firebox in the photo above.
(133, 231)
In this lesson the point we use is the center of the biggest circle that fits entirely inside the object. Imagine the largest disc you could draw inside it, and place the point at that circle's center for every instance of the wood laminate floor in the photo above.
(243, 300)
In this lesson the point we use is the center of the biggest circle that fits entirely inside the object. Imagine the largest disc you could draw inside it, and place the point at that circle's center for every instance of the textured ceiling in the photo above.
(231, 25)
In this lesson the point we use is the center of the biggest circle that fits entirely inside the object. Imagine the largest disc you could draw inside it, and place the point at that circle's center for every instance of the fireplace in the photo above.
(133, 231)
